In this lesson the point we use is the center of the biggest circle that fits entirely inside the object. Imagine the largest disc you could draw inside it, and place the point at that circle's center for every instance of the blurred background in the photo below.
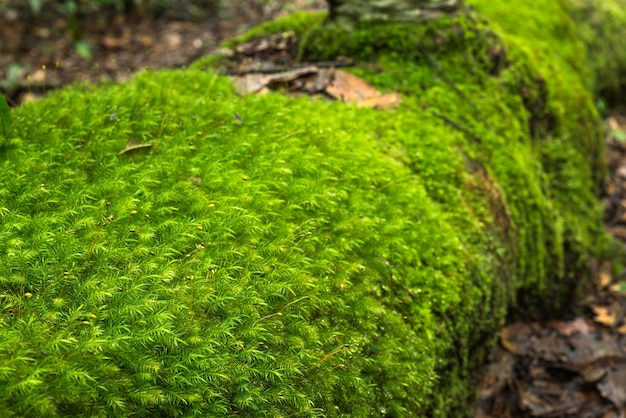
(45, 44)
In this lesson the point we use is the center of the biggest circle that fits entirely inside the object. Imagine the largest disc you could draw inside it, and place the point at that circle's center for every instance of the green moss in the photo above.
(600, 25)
(305, 257)
(260, 259)
(298, 23)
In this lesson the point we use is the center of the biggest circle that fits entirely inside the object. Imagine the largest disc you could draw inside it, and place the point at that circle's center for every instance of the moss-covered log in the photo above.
(276, 256)
(349, 12)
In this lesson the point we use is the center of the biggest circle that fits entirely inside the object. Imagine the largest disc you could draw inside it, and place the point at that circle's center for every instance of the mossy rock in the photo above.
(277, 256)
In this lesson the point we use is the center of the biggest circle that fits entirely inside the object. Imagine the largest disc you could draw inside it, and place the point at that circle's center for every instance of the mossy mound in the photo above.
(600, 24)
(272, 256)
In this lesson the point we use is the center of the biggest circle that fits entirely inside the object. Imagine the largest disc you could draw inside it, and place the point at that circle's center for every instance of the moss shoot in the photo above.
(273, 256)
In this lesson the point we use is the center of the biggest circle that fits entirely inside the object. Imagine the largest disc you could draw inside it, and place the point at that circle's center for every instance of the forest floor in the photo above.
(43, 51)
(575, 366)
(569, 367)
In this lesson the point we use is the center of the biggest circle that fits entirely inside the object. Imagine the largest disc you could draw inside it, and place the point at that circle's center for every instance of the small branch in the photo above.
(457, 125)
(409, 291)
(283, 68)
(326, 357)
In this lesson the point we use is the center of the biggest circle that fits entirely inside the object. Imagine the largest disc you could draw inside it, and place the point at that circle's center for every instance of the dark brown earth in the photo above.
(43, 52)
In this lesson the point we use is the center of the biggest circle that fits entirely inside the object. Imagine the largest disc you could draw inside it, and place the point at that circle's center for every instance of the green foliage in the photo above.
(299, 23)
(303, 257)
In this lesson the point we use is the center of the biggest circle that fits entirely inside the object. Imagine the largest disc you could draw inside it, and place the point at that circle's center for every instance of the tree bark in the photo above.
(350, 12)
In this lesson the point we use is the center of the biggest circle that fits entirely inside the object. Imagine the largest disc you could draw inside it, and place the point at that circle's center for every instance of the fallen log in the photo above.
(170, 247)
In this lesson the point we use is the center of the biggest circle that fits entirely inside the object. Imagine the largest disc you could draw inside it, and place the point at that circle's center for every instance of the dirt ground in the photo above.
(43, 52)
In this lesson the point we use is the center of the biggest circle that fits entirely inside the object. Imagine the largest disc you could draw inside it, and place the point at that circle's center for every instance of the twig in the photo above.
(326, 357)
(409, 291)
(458, 126)
(283, 68)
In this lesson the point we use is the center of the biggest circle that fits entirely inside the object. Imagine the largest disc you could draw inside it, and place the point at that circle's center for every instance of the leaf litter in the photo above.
(133, 146)
(575, 367)
(269, 64)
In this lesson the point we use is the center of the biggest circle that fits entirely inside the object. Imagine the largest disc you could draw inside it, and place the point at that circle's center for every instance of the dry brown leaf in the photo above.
(386, 101)
(610, 189)
(604, 279)
(605, 276)
(350, 88)
(603, 315)
(338, 84)
(258, 82)
(111, 42)
(316, 83)
(133, 145)
(613, 388)
(516, 338)
(569, 328)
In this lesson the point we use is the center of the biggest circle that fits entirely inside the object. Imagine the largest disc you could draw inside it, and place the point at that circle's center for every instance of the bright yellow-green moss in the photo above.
(273, 256)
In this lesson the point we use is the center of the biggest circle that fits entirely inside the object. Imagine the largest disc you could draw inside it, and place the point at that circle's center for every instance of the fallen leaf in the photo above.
(132, 145)
(257, 82)
(515, 338)
(603, 315)
(250, 83)
(38, 77)
(386, 101)
(594, 349)
(111, 42)
(605, 278)
(569, 328)
(592, 373)
(613, 388)
(350, 88)
(619, 287)
(317, 82)
(275, 43)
